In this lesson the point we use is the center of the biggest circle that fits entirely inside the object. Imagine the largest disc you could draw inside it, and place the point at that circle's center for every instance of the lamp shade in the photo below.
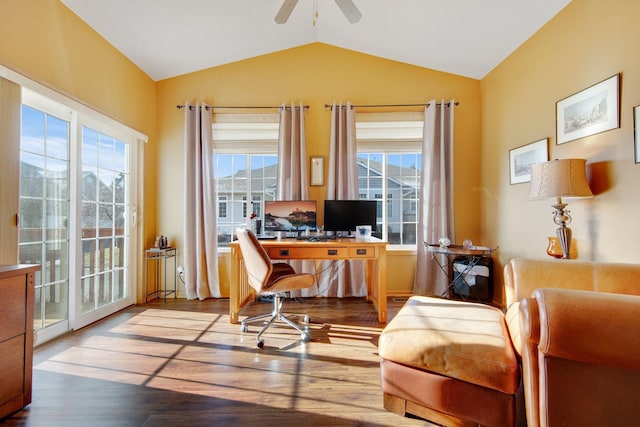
(559, 178)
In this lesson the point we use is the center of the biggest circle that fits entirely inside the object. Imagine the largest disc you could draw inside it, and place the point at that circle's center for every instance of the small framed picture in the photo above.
(593, 110)
(317, 170)
(636, 133)
(522, 158)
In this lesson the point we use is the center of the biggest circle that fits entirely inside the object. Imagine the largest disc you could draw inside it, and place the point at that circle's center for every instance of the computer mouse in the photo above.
(314, 239)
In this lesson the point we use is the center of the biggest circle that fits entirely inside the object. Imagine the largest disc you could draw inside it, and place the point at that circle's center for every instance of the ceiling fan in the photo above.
(347, 7)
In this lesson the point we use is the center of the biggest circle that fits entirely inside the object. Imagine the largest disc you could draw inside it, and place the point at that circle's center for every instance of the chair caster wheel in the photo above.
(260, 344)
(244, 327)
(306, 319)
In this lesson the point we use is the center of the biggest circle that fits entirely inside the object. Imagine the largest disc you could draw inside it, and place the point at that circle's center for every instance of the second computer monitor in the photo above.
(346, 215)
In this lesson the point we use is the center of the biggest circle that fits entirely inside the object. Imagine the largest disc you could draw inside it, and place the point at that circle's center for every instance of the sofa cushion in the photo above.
(462, 340)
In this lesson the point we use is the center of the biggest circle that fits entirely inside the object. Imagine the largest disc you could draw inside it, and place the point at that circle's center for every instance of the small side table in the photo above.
(160, 257)
(473, 254)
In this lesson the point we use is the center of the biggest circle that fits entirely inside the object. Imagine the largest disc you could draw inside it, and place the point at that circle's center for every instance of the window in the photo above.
(222, 206)
(389, 169)
(245, 167)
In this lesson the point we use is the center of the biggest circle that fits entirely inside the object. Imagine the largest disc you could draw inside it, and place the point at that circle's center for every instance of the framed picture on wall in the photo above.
(522, 158)
(636, 133)
(593, 110)
(317, 170)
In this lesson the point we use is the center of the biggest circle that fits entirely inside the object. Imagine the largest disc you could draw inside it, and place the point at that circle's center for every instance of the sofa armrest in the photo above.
(529, 316)
(590, 327)
(580, 358)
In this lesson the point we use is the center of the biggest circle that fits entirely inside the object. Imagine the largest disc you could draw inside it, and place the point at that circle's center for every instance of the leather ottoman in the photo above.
(451, 362)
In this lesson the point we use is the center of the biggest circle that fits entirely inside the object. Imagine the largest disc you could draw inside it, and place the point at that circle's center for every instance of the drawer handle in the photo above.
(361, 251)
(284, 252)
(332, 252)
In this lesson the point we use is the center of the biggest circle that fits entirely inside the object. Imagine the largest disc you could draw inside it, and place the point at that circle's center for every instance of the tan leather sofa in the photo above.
(462, 363)
(581, 348)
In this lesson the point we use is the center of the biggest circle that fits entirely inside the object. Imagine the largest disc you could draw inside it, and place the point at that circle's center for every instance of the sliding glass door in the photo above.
(76, 216)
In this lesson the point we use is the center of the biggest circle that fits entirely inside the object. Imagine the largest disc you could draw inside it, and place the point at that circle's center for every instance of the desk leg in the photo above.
(377, 284)
(234, 286)
(382, 285)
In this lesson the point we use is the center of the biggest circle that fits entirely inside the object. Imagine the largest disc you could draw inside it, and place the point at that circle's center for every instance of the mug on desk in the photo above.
(363, 232)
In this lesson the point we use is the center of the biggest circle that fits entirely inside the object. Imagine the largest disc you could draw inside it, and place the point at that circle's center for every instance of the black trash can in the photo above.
(473, 278)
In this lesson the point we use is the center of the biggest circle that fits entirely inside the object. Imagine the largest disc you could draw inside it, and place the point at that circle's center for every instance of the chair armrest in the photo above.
(591, 327)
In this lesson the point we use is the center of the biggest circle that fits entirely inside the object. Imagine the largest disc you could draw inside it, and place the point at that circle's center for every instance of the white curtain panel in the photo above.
(200, 241)
(435, 217)
(292, 181)
(343, 278)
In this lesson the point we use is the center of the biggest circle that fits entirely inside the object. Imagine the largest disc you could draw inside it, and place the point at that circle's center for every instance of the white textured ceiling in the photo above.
(167, 38)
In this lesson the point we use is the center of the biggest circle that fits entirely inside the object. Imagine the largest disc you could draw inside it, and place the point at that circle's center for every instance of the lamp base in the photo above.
(564, 236)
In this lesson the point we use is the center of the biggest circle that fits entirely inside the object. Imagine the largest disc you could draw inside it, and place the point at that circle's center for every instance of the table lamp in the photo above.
(558, 179)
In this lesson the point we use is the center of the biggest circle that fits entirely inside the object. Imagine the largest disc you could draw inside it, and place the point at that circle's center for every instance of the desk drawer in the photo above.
(364, 252)
(307, 253)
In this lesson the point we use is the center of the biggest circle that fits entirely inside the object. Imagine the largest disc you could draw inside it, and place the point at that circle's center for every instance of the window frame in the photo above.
(390, 133)
(250, 135)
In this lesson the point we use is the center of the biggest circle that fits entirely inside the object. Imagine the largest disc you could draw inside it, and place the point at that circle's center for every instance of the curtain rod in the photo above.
(245, 107)
(424, 104)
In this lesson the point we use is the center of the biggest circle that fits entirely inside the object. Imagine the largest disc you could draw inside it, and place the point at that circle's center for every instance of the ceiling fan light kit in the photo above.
(348, 8)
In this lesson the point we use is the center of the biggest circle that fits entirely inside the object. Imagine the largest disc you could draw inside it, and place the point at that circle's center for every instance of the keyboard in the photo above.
(265, 237)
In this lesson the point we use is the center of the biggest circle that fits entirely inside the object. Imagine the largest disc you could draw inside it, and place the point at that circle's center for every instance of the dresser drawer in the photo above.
(307, 253)
(12, 306)
(11, 368)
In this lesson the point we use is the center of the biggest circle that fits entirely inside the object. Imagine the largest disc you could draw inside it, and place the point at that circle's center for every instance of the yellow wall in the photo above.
(514, 105)
(45, 41)
(315, 75)
(587, 42)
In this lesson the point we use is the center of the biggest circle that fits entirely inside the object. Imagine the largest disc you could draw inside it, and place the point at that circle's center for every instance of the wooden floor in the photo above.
(183, 364)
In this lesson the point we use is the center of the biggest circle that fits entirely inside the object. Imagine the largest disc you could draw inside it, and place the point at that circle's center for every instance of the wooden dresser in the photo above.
(16, 336)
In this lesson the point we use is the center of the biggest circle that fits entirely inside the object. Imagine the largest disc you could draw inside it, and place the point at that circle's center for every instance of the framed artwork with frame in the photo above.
(593, 110)
(522, 158)
(317, 171)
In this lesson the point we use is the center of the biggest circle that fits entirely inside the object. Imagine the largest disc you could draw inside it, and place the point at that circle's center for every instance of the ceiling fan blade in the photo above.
(285, 11)
(350, 10)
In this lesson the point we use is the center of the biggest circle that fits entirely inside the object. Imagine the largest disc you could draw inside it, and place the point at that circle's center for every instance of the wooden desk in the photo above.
(374, 252)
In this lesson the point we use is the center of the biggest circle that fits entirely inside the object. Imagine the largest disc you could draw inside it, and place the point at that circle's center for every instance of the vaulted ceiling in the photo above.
(168, 38)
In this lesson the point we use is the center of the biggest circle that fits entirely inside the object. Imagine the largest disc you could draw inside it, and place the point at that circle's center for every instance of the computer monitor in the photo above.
(289, 215)
(345, 215)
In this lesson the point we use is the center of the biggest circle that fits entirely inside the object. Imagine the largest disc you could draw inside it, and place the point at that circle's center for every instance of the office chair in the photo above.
(270, 279)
